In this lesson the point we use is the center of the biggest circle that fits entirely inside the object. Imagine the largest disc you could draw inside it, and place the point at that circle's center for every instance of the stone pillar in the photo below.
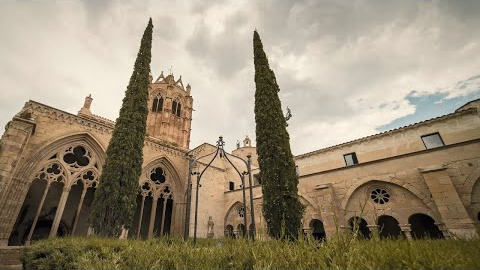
(79, 209)
(152, 217)
(407, 231)
(346, 229)
(139, 227)
(12, 145)
(307, 231)
(374, 230)
(443, 229)
(328, 208)
(453, 212)
(164, 208)
(59, 212)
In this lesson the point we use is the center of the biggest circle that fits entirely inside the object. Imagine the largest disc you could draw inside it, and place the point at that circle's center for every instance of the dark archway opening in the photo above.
(158, 217)
(388, 227)
(241, 230)
(42, 230)
(82, 222)
(168, 217)
(250, 229)
(27, 212)
(317, 229)
(147, 209)
(132, 232)
(360, 225)
(423, 226)
(229, 231)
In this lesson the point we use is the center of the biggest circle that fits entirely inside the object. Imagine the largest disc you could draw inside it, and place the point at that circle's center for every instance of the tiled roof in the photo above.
(387, 132)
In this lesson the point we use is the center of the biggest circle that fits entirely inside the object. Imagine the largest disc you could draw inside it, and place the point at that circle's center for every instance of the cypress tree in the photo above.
(115, 198)
(281, 207)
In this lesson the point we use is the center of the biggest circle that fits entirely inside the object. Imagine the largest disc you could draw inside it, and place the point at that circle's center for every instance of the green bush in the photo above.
(171, 253)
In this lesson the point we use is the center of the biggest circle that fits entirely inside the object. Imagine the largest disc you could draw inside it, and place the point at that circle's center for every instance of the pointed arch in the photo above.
(232, 216)
(157, 103)
(170, 168)
(63, 163)
(176, 106)
(34, 162)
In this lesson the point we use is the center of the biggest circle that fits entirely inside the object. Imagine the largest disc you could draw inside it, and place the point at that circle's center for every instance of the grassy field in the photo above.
(170, 253)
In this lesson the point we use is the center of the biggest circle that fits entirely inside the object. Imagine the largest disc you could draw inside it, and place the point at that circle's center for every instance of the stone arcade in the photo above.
(417, 180)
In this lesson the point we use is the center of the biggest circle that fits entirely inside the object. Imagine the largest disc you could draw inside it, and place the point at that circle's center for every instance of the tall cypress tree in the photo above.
(281, 207)
(115, 199)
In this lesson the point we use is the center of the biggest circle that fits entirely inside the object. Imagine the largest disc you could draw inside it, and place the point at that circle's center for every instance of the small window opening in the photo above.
(432, 140)
(176, 107)
(157, 105)
(231, 185)
(179, 106)
(350, 159)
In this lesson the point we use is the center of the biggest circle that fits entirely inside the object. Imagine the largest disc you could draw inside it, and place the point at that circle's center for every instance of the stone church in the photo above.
(415, 181)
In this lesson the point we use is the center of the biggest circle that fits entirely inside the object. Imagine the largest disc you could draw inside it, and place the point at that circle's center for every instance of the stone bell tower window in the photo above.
(157, 105)
(176, 107)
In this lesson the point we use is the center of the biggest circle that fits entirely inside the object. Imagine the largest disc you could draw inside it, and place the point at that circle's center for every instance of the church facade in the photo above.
(414, 181)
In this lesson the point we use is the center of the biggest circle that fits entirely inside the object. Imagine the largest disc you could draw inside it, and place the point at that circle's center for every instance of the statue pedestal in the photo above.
(210, 235)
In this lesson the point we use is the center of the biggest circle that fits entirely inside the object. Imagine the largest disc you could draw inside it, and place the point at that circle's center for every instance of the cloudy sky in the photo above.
(346, 69)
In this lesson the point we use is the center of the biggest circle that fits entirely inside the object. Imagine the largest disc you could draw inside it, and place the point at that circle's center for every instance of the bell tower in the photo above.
(170, 110)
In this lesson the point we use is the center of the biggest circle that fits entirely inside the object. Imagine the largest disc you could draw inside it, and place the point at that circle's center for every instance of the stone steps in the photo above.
(10, 257)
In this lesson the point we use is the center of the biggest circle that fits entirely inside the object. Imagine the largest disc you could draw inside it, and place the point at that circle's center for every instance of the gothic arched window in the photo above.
(157, 105)
(176, 107)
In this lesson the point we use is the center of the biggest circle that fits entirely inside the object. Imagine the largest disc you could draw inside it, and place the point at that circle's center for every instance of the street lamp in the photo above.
(192, 162)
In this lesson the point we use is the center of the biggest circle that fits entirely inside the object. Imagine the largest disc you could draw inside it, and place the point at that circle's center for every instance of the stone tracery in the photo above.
(72, 166)
(154, 203)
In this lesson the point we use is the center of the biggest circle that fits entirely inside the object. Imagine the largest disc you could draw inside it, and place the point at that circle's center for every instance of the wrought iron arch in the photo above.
(219, 151)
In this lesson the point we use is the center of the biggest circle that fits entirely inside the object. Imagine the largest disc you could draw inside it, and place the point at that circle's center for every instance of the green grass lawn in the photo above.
(171, 253)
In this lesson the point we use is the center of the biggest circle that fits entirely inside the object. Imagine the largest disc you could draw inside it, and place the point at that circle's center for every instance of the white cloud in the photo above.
(344, 67)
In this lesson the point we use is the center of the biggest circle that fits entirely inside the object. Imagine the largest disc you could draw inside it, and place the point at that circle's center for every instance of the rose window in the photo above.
(380, 196)
(241, 211)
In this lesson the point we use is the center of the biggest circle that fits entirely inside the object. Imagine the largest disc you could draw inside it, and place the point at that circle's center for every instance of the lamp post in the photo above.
(188, 195)
(218, 151)
(249, 169)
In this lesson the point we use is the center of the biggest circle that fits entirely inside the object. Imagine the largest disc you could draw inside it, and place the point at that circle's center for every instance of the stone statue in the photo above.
(247, 141)
(238, 144)
(210, 224)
